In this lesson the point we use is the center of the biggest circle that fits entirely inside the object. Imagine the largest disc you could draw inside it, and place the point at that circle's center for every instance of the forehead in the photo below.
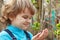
(26, 12)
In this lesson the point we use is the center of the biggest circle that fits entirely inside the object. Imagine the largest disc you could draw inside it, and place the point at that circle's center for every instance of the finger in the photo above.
(36, 36)
(46, 30)
(41, 36)
(44, 34)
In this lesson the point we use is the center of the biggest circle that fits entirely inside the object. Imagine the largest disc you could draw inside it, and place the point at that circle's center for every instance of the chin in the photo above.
(25, 28)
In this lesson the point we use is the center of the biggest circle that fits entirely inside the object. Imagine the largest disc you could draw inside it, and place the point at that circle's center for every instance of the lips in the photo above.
(26, 24)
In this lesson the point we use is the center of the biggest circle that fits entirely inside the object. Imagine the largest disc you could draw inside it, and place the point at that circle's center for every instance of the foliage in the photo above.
(57, 32)
(35, 3)
(48, 1)
(36, 26)
(58, 25)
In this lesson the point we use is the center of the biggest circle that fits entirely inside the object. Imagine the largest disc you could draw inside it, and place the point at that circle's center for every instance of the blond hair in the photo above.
(12, 7)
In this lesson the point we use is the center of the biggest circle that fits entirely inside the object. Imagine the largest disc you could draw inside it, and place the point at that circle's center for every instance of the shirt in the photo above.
(17, 32)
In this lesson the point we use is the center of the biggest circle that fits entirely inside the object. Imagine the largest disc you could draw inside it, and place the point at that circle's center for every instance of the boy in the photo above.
(17, 14)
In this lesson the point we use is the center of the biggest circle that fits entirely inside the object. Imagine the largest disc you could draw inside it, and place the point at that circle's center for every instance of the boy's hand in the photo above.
(41, 36)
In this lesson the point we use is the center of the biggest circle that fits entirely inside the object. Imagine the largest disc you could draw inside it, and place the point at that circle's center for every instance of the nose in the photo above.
(28, 20)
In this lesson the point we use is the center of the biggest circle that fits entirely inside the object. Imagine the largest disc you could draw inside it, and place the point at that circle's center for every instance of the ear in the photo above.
(11, 17)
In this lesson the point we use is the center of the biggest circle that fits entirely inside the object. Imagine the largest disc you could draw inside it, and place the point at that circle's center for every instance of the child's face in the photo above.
(23, 19)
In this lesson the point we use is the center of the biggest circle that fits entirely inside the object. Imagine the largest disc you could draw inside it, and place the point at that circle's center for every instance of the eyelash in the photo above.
(26, 18)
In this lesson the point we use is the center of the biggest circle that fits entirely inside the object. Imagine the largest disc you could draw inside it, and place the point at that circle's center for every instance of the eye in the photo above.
(25, 17)
(30, 18)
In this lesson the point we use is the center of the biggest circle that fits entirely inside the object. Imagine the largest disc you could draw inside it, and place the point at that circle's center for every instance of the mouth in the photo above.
(26, 24)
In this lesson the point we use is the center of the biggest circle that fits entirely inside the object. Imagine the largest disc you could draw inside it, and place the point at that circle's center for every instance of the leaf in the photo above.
(36, 26)
(58, 25)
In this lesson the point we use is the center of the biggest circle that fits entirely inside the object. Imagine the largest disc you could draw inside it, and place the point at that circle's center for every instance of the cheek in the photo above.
(21, 20)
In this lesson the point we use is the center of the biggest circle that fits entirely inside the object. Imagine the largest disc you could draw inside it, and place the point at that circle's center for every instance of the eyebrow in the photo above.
(26, 16)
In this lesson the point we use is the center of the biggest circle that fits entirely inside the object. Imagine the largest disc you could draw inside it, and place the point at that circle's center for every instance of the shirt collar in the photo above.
(14, 28)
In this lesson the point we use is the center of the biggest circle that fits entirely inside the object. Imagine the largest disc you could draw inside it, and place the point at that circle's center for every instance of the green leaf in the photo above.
(36, 26)
(58, 25)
